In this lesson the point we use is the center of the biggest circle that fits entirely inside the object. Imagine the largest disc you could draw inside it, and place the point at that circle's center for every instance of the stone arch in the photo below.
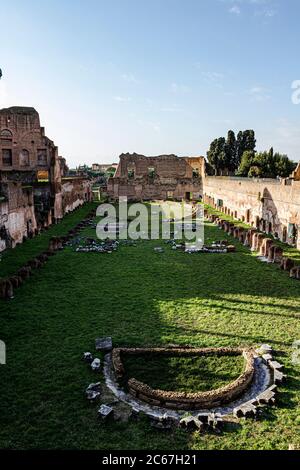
(6, 134)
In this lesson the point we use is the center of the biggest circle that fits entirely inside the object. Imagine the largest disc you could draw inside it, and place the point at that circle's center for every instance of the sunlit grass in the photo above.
(141, 298)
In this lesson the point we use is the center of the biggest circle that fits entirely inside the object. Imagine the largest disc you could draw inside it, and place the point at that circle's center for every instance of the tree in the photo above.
(247, 161)
(216, 155)
(245, 142)
(209, 169)
(265, 165)
(230, 149)
(283, 165)
(225, 154)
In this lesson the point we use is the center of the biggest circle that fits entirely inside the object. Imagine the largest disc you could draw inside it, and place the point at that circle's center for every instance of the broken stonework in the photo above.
(87, 357)
(92, 395)
(105, 412)
(95, 387)
(279, 377)
(267, 397)
(276, 365)
(247, 410)
(191, 423)
(266, 358)
(95, 365)
(104, 344)
(214, 420)
(264, 349)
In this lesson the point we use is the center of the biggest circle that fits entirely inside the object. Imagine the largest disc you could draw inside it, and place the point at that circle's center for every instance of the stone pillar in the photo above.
(242, 234)
(295, 272)
(271, 254)
(266, 245)
(287, 264)
(260, 238)
(236, 232)
(254, 241)
(231, 229)
(278, 254)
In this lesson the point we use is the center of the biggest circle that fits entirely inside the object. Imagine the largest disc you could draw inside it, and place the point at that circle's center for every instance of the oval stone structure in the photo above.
(184, 400)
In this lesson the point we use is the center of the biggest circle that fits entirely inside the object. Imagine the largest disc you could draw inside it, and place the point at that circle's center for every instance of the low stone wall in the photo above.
(184, 400)
(258, 242)
(269, 205)
(9, 284)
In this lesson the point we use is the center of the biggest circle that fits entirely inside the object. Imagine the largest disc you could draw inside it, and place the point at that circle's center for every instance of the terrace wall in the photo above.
(272, 206)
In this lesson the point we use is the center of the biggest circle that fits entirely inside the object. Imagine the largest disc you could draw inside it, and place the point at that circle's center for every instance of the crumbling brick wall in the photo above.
(272, 206)
(31, 192)
(148, 178)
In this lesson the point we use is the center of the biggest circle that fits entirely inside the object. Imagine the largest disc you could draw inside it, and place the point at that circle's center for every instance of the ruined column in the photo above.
(254, 241)
(287, 264)
(259, 241)
(271, 254)
(295, 272)
(278, 254)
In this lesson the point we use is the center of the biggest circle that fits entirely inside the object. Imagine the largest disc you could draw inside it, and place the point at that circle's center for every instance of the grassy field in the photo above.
(140, 298)
(184, 374)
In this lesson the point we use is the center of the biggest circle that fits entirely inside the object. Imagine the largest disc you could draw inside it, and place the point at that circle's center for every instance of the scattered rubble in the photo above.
(105, 412)
(96, 364)
(93, 391)
(87, 356)
(104, 344)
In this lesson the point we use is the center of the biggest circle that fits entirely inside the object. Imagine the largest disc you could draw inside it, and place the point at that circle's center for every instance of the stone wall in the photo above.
(272, 206)
(33, 191)
(185, 400)
(164, 177)
(75, 191)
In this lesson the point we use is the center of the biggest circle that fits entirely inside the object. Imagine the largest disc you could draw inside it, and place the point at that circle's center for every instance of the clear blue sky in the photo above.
(153, 76)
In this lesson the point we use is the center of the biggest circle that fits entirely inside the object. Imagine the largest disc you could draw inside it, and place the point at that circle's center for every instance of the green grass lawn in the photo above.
(140, 298)
(184, 374)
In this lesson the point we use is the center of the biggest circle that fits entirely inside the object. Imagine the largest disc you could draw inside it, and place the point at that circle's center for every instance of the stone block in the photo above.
(87, 357)
(278, 377)
(276, 365)
(104, 344)
(96, 364)
(266, 358)
(191, 423)
(248, 410)
(266, 398)
(150, 401)
(104, 412)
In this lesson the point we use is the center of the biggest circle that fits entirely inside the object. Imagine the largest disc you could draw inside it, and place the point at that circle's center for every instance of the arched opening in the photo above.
(6, 137)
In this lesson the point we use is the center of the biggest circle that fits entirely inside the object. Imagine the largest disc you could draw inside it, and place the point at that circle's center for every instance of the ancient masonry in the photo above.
(268, 205)
(164, 177)
(258, 242)
(243, 398)
(34, 189)
(9, 285)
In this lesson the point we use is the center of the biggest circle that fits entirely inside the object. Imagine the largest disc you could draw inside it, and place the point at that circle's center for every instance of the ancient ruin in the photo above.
(35, 190)
(269, 205)
(164, 177)
(255, 388)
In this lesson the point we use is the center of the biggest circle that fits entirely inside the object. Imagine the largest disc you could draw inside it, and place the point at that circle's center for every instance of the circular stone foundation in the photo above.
(255, 386)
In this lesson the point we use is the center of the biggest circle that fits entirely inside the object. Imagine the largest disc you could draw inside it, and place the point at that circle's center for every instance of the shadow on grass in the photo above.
(140, 298)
